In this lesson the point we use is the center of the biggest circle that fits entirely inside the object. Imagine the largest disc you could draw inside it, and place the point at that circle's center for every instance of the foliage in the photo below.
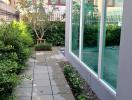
(91, 35)
(56, 34)
(75, 82)
(81, 97)
(34, 13)
(15, 36)
(113, 35)
(15, 41)
(43, 47)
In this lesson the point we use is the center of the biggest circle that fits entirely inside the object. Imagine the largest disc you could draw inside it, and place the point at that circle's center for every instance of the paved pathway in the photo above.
(46, 81)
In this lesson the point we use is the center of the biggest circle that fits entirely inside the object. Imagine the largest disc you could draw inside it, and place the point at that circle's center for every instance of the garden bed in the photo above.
(43, 47)
(80, 88)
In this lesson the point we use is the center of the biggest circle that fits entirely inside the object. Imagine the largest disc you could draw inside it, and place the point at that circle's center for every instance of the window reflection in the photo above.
(112, 42)
(75, 26)
(92, 13)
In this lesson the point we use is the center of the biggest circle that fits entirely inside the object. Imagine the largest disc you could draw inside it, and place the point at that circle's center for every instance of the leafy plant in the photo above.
(16, 37)
(43, 47)
(15, 42)
(56, 34)
(91, 35)
(82, 97)
(75, 82)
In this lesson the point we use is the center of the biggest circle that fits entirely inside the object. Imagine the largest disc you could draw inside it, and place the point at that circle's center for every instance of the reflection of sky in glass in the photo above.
(119, 2)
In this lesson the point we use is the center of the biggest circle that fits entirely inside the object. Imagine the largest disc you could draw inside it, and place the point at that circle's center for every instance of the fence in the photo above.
(57, 17)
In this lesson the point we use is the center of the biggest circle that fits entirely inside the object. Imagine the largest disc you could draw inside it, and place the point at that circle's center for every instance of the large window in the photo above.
(92, 13)
(56, 2)
(100, 37)
(112, 42)
(75, 26)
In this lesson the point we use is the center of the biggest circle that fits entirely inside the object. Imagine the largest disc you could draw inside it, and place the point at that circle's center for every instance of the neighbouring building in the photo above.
(59, 8)
(99, 45)
(7, 10)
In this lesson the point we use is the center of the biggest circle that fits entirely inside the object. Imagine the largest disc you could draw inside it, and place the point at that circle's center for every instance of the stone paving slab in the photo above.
(24, 98)
(41, 76)
(41, 82)
(47, 79)
(56, 75)
(23, 91)
(43, 90)
(58, 82)
(43, 97)
(61, 89)
(63, 97)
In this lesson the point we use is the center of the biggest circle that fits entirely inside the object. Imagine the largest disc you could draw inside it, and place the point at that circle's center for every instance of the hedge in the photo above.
(15, 42)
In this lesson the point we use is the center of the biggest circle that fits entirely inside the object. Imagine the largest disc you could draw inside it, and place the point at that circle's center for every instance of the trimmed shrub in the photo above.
(55, 33)
(16, 36)
(15, 42)
(75, 82)
(43, 47)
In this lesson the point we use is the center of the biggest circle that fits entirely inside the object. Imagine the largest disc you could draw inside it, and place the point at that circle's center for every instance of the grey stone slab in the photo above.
(41, 83)
(58, 82)
(61, 89)
(26, 84)
(55, 67)
(40, 66)
(30, 60)
(53, 71)
(27, 72)
(43, 97)
(57, 75)
(29, 68)
(23, 91)
(41, 76)
(64, 97)
(45, 90)
(41, 70)
(24, 98)
(41, 63)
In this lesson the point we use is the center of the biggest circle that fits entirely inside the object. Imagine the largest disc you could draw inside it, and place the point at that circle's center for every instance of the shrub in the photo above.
(8, 66)
(43, 47)
(15, 42)
(7, 83)
(82, 97)
(75, 82)
(17, 36)
(55, 34)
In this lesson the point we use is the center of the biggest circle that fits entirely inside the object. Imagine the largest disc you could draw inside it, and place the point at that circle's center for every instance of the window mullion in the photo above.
(81, 30)
(101, 37)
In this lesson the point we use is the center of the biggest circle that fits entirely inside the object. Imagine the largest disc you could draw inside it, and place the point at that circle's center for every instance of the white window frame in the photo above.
(79, 59)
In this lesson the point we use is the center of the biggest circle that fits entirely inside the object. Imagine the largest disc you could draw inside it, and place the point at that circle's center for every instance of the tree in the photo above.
(35, 14)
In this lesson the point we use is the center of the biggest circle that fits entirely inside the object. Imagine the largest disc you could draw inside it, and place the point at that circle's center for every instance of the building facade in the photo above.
(98, 44)
(7, 9)
(59, 11)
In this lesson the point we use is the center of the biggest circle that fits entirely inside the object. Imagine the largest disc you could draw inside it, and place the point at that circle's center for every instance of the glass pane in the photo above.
(92, 13)
(111, 42)
(62, 1)
(75, 26)
(54, 1)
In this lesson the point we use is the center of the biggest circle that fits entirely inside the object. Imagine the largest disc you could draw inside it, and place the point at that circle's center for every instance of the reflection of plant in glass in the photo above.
(75, 24)
(112, 35)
